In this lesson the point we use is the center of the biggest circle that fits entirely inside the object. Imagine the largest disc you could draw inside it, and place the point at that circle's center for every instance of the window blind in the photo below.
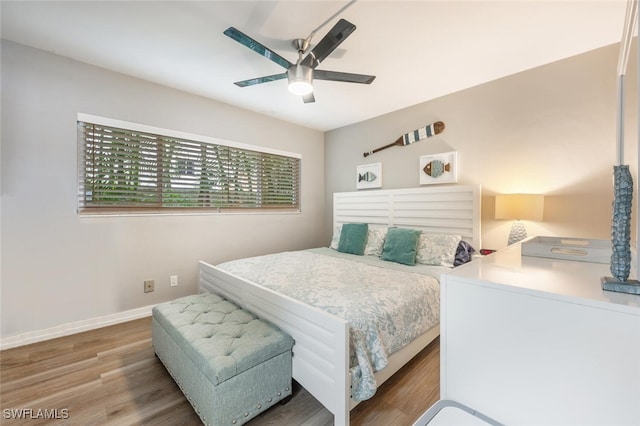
(126, 170)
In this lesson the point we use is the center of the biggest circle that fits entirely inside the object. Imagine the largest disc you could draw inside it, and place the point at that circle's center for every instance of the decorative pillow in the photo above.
(375, 241)
(353, 238)
(335, 240)
(400, 245)
(437, 249)
(464, 253)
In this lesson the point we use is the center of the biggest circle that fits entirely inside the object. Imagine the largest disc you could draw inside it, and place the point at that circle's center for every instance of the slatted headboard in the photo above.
(450, 209)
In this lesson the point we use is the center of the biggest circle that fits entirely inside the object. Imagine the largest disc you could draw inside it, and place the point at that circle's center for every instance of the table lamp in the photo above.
(519, 207)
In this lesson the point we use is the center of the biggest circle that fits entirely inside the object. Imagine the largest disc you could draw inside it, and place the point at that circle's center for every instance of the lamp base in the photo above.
(518, 232)
(612, 284)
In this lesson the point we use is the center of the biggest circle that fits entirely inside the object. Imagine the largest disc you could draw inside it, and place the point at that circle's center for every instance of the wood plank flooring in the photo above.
(111, 376)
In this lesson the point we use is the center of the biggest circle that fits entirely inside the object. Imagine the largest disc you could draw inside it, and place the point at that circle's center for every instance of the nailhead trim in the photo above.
(239, 335)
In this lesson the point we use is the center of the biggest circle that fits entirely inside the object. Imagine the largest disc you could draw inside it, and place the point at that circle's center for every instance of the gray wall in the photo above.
(58, 267)
(550, 130)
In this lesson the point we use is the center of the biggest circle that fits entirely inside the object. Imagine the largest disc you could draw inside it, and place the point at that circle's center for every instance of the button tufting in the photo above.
(219, 335)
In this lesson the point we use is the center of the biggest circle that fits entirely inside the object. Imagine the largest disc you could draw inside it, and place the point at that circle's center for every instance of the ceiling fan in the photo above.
(303, 72)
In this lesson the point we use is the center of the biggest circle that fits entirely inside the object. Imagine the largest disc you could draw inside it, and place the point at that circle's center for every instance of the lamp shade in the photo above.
(520, 206)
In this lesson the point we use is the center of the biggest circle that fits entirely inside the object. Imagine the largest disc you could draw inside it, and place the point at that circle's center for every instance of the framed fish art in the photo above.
(369, 176)
(439, 168)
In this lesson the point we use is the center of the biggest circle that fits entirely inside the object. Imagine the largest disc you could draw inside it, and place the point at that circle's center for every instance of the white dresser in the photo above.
(535, 341)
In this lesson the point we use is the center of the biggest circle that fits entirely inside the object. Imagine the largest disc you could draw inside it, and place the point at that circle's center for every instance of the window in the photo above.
(123, 169)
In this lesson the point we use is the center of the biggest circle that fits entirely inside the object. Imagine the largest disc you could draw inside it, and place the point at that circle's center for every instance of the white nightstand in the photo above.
(534, 341)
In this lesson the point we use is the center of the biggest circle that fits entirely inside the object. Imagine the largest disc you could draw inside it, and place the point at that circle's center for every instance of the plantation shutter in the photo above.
(127, 170)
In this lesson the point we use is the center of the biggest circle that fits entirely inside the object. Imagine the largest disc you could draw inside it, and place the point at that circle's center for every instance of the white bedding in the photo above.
(386, 304)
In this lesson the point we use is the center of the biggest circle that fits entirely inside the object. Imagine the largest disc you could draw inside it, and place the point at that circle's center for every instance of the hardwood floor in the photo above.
(111, 376)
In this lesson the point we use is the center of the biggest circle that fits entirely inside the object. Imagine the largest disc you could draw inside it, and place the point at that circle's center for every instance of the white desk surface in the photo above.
(567, 280)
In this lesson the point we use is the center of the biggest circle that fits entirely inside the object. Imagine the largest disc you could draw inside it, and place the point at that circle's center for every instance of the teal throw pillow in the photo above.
(353, 238)
(400, 245)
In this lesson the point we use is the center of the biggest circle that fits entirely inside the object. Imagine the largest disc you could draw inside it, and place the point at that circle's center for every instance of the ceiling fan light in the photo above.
(300, 87)
(300, 78)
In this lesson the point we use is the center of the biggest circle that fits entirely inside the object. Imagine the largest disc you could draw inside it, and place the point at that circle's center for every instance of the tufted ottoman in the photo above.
(230, 365)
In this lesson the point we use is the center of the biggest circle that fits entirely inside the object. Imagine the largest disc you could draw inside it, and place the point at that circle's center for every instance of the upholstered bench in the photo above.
(229, 364)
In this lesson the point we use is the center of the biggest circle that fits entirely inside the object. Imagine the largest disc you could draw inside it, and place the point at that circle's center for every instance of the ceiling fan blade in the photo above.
(259, 80)
(308, 98)
(337, 35)
(342, 76)
(244, 39)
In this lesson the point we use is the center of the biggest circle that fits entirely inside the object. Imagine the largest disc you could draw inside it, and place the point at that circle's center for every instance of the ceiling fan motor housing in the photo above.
(300, 79)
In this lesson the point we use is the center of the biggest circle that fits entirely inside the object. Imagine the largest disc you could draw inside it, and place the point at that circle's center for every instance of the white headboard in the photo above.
(450, 209)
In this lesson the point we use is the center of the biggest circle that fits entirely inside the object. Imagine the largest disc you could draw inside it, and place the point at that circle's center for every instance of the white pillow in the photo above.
(375, 241)
(335, 240)
(437, 249)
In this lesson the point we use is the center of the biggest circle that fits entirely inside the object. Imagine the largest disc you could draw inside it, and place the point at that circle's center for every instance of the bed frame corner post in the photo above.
(343, 409)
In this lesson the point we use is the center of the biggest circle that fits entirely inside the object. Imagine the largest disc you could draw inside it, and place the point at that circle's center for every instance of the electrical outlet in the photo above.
(149, 286)
(173, 280)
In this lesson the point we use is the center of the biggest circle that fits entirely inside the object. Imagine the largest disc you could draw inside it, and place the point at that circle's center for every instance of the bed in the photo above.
(322, 359)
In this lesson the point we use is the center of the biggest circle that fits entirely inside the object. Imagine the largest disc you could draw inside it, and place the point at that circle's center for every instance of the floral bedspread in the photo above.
(385, 305)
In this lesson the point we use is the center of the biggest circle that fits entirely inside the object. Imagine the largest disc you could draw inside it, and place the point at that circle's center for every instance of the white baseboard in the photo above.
(74, 327)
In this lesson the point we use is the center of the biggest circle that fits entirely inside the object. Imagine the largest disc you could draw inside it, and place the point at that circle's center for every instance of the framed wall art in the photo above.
(369, 176)
(439, 168)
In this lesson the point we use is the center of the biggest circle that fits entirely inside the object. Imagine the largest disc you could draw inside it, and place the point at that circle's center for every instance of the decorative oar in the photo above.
(411, 137)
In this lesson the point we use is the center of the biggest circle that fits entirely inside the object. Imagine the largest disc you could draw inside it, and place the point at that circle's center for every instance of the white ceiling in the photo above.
(419, 50)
